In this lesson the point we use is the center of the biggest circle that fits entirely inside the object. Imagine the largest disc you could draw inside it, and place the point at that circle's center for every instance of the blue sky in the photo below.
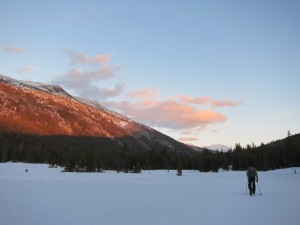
(203, 72)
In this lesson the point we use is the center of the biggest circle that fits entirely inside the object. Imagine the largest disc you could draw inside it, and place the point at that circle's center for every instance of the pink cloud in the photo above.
(209, 101)
(169, 114)
(101, 58)
(81, 58)
(144, 105)
(144, 93)
(13, 49)
(26, 69)
(98, 74)
(188, 139)
(187, 132)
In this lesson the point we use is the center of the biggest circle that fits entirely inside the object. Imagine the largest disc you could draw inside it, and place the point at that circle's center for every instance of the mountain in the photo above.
(31, 108)
(218, 147)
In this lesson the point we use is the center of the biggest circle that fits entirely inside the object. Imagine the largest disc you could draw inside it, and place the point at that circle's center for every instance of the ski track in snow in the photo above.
(48, 196)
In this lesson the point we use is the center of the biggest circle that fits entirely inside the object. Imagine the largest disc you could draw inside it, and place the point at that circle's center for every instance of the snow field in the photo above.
(50, 197)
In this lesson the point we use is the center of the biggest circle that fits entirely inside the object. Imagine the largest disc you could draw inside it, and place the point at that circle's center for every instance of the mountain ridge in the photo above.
(218, 147)
(42, 109)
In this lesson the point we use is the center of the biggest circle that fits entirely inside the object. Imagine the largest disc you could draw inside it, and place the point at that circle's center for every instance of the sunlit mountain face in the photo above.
(42, 109)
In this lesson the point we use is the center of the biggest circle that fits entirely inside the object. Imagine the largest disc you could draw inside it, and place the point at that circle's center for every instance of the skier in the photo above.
(252, 175)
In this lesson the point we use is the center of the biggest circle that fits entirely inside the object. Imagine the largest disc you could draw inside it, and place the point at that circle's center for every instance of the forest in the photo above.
(94, 154)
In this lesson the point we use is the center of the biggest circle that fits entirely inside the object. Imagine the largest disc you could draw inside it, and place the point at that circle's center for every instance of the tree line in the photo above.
(94, 154)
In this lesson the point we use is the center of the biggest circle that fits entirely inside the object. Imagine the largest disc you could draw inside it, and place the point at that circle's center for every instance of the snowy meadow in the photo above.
(47, 196)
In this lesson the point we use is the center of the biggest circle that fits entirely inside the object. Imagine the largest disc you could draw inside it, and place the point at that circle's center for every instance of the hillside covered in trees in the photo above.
(91, 154)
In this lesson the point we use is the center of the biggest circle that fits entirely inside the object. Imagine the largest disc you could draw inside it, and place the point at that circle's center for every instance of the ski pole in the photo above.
(246, 189)
(258, 187)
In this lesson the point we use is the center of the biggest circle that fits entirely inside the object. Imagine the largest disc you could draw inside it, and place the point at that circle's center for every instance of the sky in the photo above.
(202, 72)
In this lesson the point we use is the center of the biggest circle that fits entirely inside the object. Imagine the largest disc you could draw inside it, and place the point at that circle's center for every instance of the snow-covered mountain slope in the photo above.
(218, 147)
(48, 88)
(42, 109)
(56, 90)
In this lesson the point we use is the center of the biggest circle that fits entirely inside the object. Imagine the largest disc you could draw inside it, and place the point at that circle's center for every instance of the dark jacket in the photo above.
(252, 172)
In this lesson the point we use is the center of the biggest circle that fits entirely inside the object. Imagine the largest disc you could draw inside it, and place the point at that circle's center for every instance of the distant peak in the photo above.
(217, 147)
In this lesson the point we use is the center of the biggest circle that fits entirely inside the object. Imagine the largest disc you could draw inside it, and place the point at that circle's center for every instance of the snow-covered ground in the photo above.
(46, 196)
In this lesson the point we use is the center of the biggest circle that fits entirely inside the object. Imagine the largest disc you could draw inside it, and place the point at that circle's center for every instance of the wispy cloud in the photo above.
(104, 93)
(76, 57)
(204, 100)
(188, 140)
(100, 58)
(146, 105)
(169, 114)
(81, 58)
(181, 113)
(85, 82)
(144, 93)
(26, 69)
(12, 49)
